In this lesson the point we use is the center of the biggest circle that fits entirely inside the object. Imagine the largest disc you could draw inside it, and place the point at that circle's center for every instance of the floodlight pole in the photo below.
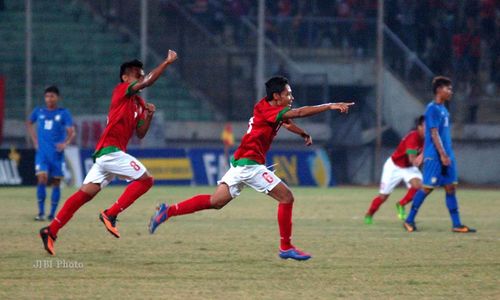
(259, 69)
(28, 104)
(144, 37)
(380, 84)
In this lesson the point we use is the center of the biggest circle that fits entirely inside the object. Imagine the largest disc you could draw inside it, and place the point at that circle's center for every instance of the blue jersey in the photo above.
(51, 129)
(437, 116)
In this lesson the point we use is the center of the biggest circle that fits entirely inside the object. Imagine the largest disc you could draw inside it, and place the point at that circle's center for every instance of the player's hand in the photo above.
(307, 139)
(171, 57)
(61, 146)
(342, 106)
(445, 160)
(418, 160)
(150, 109)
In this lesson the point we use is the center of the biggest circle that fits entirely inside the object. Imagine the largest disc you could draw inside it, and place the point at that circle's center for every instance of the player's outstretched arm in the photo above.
(143, 127)
(156, 73)
(436, 139)
(292, 127)
(307, 111)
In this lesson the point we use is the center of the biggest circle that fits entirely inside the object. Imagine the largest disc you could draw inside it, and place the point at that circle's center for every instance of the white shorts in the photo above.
(257, 177)
(119, 163)
(393, 174)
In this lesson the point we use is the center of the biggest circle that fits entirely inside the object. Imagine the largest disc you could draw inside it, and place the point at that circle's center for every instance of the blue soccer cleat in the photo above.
(294, 253)
(159, 217)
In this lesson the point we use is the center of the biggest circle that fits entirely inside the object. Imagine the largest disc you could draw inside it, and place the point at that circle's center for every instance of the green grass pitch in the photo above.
(232, 253)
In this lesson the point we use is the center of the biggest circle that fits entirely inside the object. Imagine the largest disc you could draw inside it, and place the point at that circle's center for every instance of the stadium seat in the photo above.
(82, 57)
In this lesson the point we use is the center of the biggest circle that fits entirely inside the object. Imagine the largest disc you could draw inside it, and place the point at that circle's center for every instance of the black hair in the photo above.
(126, 66)
(52, 89)
(419, 121)
(275, 85)
(440, 81)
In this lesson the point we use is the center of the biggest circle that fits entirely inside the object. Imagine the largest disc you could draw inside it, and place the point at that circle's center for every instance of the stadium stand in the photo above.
(82, 56)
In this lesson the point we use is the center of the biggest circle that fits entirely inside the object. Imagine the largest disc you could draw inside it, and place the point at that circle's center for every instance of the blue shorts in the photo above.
(50, 163)
(435, 174)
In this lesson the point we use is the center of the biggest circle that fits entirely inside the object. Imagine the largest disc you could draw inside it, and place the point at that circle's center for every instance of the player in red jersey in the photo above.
(128, 114)
(402, 165)
(248, 163)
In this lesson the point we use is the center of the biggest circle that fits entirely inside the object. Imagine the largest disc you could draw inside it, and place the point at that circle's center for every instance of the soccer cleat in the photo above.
(294, 253)
(410, 227)
(48, 240)
(463, 229)
(368, 219)
(40, 218)
(401, 211)
(109, 223)
(159, 217)
(50, 217)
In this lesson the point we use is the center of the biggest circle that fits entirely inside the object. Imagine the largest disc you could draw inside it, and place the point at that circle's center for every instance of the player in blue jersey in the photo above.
(439, 159)
(54, 132)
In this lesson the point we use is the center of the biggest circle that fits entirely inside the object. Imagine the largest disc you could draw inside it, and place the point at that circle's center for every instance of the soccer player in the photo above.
(439, 159)
(401, 165)
(248, 163)
(54, 133)
(128, 114)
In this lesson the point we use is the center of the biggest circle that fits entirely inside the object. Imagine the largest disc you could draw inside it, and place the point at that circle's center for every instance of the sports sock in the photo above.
(418, 199)
(285, 225)
(133, 191)
(376, 202)
(69, 208)
(452, 204)
(408, 197)
(54, 199)
(189, 206)
(41, 195)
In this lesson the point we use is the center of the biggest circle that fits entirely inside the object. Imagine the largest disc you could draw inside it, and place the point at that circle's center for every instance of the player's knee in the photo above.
(217, 204)
(56, 182)
(427, 191)
(42, 179)
(287, 198)
(148, 181)
(450, 189)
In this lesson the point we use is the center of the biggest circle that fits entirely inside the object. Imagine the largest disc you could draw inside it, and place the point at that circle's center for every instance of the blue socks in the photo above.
(41, 194)
(56, 195)
(451, 203)
(418, 199)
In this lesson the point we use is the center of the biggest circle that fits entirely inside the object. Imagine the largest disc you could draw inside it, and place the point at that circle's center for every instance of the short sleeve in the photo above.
(412, 144)
(34, 115)
(432, 117)
(275, 113)
(68, 120)
(129, 91)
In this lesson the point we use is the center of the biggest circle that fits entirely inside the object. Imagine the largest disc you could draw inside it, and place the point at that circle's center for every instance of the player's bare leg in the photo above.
(74, 202)
(374, 206)
(220, 198)
(285, 207)
(42, 179)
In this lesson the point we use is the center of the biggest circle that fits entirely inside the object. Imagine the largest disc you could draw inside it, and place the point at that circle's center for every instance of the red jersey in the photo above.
(262, 128)
(412, 143)
(125, 112)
